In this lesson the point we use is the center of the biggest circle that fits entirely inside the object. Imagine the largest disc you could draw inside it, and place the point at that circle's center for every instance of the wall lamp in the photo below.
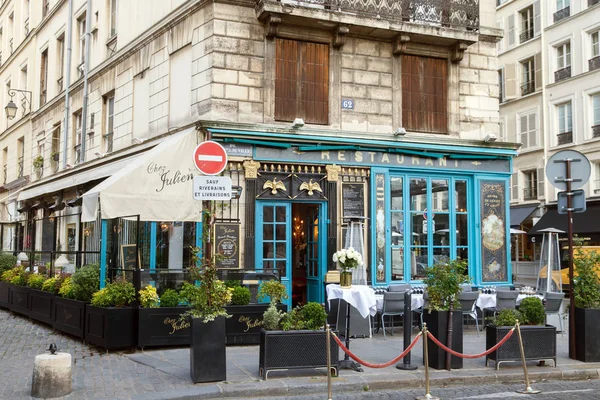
(400, 132)
(489, 138)
(11, 108)
(298, 123)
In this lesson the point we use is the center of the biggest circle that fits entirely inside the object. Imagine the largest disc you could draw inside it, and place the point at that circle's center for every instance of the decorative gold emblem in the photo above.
(296, 151)
(475, 163)
(311, 187)
(274, 185)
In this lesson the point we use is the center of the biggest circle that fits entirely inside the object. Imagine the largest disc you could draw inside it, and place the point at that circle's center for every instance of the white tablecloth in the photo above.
(487, 300)
(360, 297)
(416, 301)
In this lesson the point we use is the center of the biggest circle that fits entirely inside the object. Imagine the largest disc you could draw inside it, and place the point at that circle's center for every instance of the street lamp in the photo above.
(11, 108)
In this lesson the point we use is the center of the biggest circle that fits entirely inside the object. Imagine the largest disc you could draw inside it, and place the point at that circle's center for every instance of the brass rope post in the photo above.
(427, 396)
(528, 389)
(328, 336)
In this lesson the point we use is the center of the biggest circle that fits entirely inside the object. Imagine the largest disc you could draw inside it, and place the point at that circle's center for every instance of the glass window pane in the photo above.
(441, 230)
(268, 250)
(597, 110)
(441, 255)
(281, 250)
(268, 214)
(280, 231)
(396, 193)
(462, 233)
(439, 195)
(267, 232)
(460, 190)
(268, 265)
(397, 264)
(418, 263)
(397, 228)
(280, 214)
(418, 194)
(281, 268)
(463, 253)
(419, 230)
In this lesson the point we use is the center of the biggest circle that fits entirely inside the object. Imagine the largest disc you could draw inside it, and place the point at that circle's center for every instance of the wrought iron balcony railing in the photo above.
(562, 14)
(526, 35)
(108, 140)
(593, 2)
(527, 88)
(596, 131)
(20, 165)
(594, 63)
(10, 45)
(77, 153)
(562, 73)
(43, 96)
(59, 82)
(565, 138)
(530, 193)
(26, 27)
(45, 8)
(455, 13)
(5, 168)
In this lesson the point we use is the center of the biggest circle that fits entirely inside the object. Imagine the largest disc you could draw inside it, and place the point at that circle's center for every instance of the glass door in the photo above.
(274, 244)
(313, 272)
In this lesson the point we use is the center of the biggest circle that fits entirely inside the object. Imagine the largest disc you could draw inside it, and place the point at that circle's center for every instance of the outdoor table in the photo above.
(488, 300)
(360, 297)
(416, 302)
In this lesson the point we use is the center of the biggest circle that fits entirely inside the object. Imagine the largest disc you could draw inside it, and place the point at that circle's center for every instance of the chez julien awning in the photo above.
(157, 185)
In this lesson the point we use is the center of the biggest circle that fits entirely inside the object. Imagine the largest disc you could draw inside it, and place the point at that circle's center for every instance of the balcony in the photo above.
(527, 88)
(593, 63)
(26, 27)
(564, 138)
(45, 8)
(108, 141)
(59, 84)
(77, 153)
(10, 46)
(43, 97)
(562, 73)
(378, 18)
(562, 14)
(5, 168)
(596, 131)
(20, 169)
(526, 35)
(530, 193)
(593, 2)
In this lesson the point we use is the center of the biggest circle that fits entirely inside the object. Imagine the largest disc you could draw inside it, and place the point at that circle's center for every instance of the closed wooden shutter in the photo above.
(514, 186)
(424, 94)
(540, 182)
(302, 81)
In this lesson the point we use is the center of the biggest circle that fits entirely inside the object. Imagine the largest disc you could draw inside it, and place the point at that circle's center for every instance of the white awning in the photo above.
(73, 180)
(157, 185)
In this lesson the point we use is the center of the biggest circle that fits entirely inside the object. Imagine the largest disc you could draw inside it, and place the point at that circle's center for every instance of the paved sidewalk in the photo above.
(164, 373)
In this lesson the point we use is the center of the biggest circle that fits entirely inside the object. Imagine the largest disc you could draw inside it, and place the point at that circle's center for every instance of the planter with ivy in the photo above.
(4, 294)
(40, 302)
(110, 319)
(18, 299)
(586, 288)
(159, 321)
(539, 340)
(7, 263)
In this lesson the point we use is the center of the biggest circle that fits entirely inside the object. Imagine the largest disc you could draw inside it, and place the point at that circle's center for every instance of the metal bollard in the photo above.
(406, 365)
(528, 389)
(427, 396)
(328, 338)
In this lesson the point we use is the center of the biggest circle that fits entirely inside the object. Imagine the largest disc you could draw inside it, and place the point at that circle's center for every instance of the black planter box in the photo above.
(162, 327)
(539, 343)
(244, 325)
(4, 294)
(19, 299)
(437, 324)
(41, 306)
(110, 328)
(280, 350)
(207, 350)
(587, 328)
(69, 316)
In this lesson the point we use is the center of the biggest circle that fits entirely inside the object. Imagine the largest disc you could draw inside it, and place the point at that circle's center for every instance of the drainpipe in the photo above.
(545, 112)
(86, 67)
(67, 83)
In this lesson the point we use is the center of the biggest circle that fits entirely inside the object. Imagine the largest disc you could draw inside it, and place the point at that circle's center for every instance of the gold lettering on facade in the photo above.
(325, 155)
(400, 158)
(341, 156)
(249, 322)
(429, 161)
(372, 154)
(442, 162)
(358, 156)
(456, 163)
(176, 324)
(385, 158)
(415, 160)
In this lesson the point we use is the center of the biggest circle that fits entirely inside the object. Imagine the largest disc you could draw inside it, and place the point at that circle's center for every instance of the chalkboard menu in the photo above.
(227, 245)
(128, 256)
(353, 200)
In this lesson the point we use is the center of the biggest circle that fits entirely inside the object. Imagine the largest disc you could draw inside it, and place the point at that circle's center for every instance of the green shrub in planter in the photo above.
(20, 277)
(119, 293)
(51, 285)
(241, 296)
(274, 290)
(232, 284)
(66, 289)
(170, 298)
(272, 317)
(7, 276)
(7, 262)
(148, 297)
(35, 281)
(506, 317)
(314, 316)
(532, 311)
(187, 292)
(86, 281)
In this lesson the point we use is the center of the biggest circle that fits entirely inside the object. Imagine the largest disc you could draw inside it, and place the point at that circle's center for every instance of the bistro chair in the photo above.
(465, 287)
(399, 287)
(553, 306)
(506, 299)
(423, 308)
(467, 306)
(393, 304)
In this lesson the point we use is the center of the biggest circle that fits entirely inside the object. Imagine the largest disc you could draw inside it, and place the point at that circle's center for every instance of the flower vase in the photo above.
(345, 279)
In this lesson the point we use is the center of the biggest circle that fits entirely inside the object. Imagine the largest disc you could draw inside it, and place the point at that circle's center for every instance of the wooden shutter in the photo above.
(540, 183)
(302, 81)
(510, 81)
(514, 186)
(537, 66)
(537, 20)
(424, 94)
(500, 44)
(511, 31)
(43, 76)
(532, 127)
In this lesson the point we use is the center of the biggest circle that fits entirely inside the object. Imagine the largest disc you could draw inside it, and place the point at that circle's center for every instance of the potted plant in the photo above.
(207, 316)
(586, 290)
(539, 340)
(54, 156)
(6, 274)
(38, 163)
(295, 340)
(109, 319)
(40, 302)
(348, 259)
(443, 282)
(19, 292)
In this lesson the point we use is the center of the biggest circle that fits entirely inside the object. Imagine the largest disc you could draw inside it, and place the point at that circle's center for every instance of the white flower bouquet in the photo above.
(348, 258)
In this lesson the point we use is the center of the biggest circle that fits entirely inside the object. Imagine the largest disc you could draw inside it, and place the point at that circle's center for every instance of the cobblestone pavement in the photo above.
(96, 374)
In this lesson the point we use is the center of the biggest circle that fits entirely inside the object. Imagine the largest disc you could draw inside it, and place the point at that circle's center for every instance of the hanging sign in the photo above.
(212, 188)
(353, 200)
(210, 158)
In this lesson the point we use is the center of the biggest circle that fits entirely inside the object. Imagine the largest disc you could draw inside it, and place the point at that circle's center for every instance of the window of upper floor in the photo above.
(596, 178)
(526, 16)
(23, 77)
(81, 32)
(5, 165)
(109, 117)
(11, 32)
(563, 62)
(21, 156)
(44, 77)
(527, 77)
(530, 185)
(45, 8)
(523, 25)
(60, 62)
(302, 81)
(528, 129)
(594, 60)
(563, 10)
(26, 18)
(77, 123)
(565, 123)
(501, 85)
(514, 186)
(113, 18)
(595, 114)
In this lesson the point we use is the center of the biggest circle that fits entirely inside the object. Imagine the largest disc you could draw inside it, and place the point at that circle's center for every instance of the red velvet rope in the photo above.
(368, 364)
(496, 347)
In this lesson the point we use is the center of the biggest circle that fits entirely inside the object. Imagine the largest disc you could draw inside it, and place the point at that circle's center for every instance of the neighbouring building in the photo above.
(383, 113)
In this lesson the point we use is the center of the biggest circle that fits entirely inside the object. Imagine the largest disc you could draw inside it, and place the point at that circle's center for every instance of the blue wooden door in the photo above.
(314, 257)
(273, 241)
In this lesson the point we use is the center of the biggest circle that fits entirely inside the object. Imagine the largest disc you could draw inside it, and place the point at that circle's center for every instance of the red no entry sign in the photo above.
(210, 158)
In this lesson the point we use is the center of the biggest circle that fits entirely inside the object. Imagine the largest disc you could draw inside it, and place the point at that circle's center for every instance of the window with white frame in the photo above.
(530, 185)
(109, 112)
(563, 55)
(565, 123)
(595, 44)
(596, 115)
(560, 4)
(527, 77)
(81, 26)
(113, 18)
(78, 119)
(596, 185)
(528, 129)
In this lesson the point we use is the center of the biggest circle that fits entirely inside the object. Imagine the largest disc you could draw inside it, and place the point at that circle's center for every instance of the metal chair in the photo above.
(466, 288)
(553, 306)
(393, 304)
(399, 287)
(424, 307)
(506, 299)
(467, 306)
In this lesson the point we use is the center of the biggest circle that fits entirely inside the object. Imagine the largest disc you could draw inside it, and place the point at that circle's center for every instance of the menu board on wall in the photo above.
(128, 261)
(353, 200)
(227, 245)
(493, 231)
